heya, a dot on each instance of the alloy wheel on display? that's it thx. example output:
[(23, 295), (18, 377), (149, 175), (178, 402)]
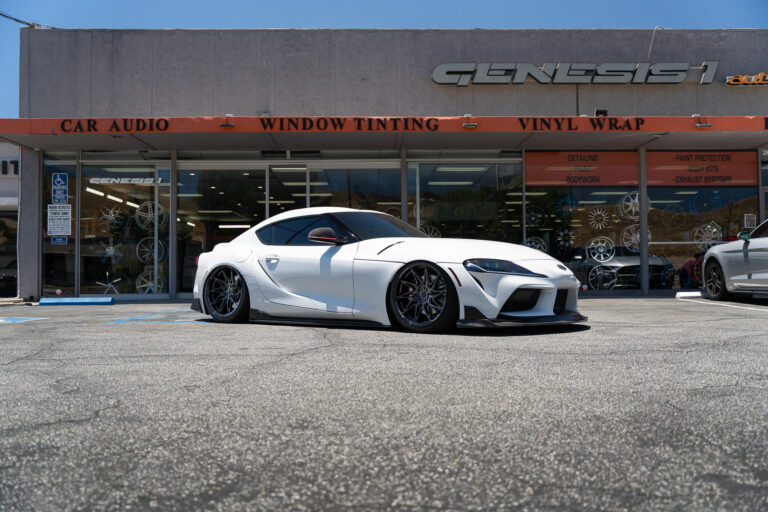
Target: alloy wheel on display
[(602, 277), (601, 249)]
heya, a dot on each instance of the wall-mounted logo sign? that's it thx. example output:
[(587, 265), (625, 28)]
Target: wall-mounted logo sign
[(759, 79), (462, 74)]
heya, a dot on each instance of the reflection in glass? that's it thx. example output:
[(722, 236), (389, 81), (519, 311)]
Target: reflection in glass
[(468, 200), (367, 189), (214, 206), (686, 221)]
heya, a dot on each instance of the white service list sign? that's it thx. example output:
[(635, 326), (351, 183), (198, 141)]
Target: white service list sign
[(59, 220)]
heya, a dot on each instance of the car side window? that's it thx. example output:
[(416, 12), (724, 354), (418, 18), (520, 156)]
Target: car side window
[(296, 231), (760, 231)]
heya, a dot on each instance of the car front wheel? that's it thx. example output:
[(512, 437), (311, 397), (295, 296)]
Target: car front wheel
[(226, 295), (422, 298), (714, 282)]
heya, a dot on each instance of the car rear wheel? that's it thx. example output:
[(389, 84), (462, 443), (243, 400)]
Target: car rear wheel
[(226, 295), (422, 298), (714, 282)]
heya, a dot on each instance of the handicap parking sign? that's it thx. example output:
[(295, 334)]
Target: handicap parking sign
[(59, 188)]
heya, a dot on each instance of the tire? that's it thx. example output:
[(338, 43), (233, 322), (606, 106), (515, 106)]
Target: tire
[(225, 295), (421, 298), (714, 282)]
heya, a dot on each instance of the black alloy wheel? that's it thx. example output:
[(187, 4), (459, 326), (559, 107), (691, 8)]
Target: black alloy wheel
[(226, 295), (422, 298), (714, 282)]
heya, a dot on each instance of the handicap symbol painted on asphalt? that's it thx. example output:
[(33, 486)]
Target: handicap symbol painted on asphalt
[(17, 319)]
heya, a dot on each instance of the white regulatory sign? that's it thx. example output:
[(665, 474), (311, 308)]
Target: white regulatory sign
[(59, 220)]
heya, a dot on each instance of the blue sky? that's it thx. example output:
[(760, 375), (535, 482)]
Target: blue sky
[(491, 14)]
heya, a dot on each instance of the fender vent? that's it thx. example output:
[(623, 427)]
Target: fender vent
[(522, 300), (560, 299)]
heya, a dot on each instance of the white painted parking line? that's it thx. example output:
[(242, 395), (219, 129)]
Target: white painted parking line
[(682, 295), (712, 303)]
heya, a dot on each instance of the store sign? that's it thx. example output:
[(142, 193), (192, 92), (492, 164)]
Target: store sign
[(759, 79), (133, 125), (124, 181), (701, 169), (59, 185), (462, 74), (59, 220), (580, 168)]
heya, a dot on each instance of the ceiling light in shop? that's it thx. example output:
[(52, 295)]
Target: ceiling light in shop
[(94, 191), (608, 193), (213, 187), (246, 174), (449, 183), (234, 226), (279, 201), (288, 169), (527, 193), (135, 170), (214, 211), (314, 194), (441, 168), (190, 224), (391, 203), (686, 192), (304, 183), (133, 205), (189, 195), (113, 198), (592, 202)]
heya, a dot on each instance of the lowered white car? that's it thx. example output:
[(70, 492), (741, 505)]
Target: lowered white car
[(740, 266), (338, 265)]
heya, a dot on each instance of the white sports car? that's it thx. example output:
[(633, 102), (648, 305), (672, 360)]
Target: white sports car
[(740, 266), (338, 265)]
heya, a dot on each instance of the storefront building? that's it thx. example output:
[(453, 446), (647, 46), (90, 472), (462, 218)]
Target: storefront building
[(623, 153)]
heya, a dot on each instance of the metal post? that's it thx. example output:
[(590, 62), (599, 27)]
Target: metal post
[(523, 221), (173, 227), (644, 204), (266, 193), (78, 200), (157, 232), (403, 185)]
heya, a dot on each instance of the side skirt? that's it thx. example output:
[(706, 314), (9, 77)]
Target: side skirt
[(254, 315)]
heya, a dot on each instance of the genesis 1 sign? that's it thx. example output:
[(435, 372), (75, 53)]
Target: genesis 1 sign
[(462, 74)]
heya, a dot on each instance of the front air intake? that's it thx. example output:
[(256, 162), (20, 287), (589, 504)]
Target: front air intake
[(522, 300), (560, 299)]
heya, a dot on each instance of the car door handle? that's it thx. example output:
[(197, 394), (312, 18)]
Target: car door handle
[(272, 258)]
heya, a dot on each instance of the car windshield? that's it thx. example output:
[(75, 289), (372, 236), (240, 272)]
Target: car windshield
[(368, 225)]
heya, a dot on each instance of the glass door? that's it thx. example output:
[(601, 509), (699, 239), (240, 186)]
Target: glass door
[(124, 226)]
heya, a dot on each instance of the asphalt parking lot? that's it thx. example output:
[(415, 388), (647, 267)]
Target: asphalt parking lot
[(654, 404)]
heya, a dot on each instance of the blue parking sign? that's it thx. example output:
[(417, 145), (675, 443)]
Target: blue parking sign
[(59, 187)]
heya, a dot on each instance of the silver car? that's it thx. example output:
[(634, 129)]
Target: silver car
[(740, 266)]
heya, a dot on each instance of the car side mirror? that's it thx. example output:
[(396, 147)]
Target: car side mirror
[(743, 235), (324, 235)]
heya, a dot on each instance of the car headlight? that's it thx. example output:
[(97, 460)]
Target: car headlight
[(485, 265)]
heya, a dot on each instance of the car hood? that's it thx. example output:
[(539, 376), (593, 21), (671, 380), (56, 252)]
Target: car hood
[(444, 250)]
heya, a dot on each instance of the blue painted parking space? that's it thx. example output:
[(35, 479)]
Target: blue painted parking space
[(173, 316), (17, 319)]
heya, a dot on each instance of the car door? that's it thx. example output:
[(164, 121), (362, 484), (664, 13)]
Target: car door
[(755, 253), (305, 274)]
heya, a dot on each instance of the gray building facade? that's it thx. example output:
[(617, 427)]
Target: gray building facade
[(624, 153)]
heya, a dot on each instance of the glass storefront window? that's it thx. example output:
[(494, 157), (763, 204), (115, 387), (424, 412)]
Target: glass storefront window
[(214, 206), (367, 189), (58, 276), (583, 209), (8, 264), (468, 200), (697, 199), (124, 230), (287, 188)]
